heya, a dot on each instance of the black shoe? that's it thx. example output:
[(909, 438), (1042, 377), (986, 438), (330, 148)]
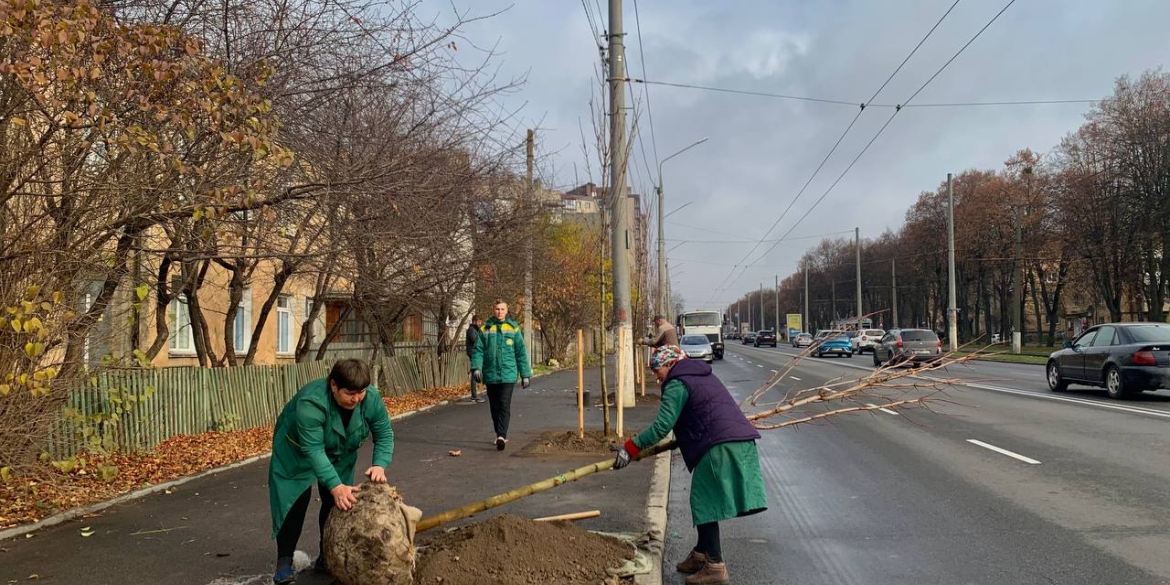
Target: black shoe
[(501, 443), (319, 564)]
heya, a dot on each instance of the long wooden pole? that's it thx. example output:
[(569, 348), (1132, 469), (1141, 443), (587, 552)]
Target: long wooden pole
[(570, 476), (541, 486), (580, 384)]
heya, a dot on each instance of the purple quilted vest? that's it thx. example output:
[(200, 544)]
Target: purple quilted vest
[(710, 416)]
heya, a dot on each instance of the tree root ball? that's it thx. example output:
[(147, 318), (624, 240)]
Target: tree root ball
[(372, 543)]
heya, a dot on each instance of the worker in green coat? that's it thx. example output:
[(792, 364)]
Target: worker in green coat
[(718, 445), (316, 440), (498, 359)]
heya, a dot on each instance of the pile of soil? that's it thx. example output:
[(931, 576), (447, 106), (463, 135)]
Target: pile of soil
[(561, 442), (509, 550)]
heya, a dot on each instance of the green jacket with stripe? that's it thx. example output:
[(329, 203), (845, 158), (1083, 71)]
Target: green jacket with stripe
[(499, 353)]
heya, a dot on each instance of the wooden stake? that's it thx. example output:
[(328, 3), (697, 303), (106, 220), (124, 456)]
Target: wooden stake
[(642, 372), (621, 387), (580, 385), (573, 516)]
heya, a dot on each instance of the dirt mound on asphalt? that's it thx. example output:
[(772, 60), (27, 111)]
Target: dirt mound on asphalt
[(561, 442), (509, 550)]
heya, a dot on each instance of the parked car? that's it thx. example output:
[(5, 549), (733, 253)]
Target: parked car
[(697, 347), (802, 340), (765, 337), (913, 346), (835, 346), (866, 339), (1124, 358), (749, 337)]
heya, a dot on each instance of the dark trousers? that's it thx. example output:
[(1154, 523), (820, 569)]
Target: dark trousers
[(472, 378), (709, 542), (500, 401), (290, 531)]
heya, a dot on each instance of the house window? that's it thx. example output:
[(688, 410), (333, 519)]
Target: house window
[(243, 325), (284, 324), (182, 339)]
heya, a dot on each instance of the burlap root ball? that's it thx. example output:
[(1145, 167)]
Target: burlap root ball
[(373, 542)]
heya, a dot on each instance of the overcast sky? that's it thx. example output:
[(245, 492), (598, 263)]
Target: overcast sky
[(761, 151)]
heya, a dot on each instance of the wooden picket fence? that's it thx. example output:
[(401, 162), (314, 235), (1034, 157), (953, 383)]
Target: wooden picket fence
[(154, 405)]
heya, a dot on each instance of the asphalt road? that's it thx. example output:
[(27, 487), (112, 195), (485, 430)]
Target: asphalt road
[(1000, 481)]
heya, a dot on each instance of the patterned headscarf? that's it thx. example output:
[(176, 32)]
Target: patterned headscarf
[(666, 355)]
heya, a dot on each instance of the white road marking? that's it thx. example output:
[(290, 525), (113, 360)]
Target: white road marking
[(759, 365), (774, 371), (794, 378), (1027, 460), (885, 410)]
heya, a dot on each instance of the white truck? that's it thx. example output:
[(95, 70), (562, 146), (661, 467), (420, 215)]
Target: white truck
[(708, 323)]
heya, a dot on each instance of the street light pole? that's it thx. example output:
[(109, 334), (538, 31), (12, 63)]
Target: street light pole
[(663, 299), (952, 305)]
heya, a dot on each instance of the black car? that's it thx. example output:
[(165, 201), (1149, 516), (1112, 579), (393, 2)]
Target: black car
[(765, 337), (749, 337), (1124, 358)]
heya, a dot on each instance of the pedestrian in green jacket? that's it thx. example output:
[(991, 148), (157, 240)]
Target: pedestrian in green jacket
[(497, 360), (316, 440)]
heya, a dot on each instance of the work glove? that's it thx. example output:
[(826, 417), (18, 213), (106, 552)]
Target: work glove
[(625, 454), (477, 375), (525, 382)]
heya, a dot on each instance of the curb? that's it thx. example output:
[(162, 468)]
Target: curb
[(146, 491), (656, 519)]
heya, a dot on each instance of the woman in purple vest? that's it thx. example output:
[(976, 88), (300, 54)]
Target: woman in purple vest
[(718, 445)]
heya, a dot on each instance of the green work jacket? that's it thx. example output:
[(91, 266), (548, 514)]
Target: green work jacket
[(312, 445), (499, 353)]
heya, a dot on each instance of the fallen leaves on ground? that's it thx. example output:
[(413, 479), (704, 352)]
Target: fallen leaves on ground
[(46, 490), (415, 400)]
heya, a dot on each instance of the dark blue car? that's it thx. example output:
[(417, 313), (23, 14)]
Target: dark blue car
[(840, 345), (1124, 358)]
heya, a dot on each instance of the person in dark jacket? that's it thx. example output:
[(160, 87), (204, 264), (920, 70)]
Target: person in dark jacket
[(498, 360), (718, 445), (316, 441), (473, 333)]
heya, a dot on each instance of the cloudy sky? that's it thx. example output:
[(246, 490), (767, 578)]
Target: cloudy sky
[(761, 151)]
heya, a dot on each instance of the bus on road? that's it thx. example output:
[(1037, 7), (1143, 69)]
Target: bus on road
[(708, 323)]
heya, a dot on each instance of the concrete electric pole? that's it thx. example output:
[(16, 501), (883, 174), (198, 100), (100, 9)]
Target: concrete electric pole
[(857, 241), (620, 234), (952, 304), (663, 299), (894, 293)]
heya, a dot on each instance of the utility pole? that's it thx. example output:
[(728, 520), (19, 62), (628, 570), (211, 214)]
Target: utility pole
[(807, 324), (952, 303), (617, 190), (529, 315), (763, 319), (662, 299), (894, 292), (751, 321), (776, 290), (833, 309), (1018, 289), (857, 241)]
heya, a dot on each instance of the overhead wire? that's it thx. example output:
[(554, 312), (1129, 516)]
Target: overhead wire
[(855, 104), (861, 109), (891, 119)]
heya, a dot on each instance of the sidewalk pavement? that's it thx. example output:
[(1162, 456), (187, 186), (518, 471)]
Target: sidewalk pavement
[(216, 529)]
